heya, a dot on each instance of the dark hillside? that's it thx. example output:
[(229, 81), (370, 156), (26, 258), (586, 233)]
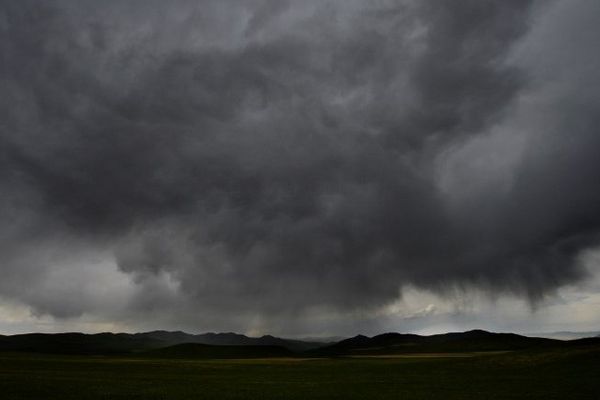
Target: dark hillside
[(116, 343), (229, 339), (471, 341), (204, 351), (77, 343)]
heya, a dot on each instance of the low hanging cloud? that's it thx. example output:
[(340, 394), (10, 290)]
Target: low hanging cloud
[(270, 158)]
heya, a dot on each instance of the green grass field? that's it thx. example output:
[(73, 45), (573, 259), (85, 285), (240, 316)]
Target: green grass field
[(519, 375)]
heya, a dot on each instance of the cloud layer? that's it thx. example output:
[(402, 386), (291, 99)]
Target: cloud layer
[(272, 159)]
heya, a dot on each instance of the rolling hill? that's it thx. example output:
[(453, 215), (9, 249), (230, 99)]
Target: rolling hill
[(470, 341), (115, 343), (232, 345), (78, 343), (205, 351), (229, 339)]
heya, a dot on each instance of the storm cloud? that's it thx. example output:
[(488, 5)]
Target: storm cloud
[(274, 158)]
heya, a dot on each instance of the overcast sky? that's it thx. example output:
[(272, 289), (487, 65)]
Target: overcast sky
[(325, 167)]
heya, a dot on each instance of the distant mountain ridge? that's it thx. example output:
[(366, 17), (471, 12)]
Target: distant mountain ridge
[(229, 339), (101, 343), (470, 341), (231, 345)]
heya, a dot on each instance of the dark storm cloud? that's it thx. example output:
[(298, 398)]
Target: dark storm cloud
[(275, 157)]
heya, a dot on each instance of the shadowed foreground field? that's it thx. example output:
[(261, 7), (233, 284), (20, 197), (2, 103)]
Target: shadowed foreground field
[(558, 374)]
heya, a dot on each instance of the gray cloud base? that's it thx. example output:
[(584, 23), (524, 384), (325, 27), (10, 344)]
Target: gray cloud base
[(273, 158)]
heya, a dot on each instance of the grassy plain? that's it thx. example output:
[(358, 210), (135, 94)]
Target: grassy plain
[(558, 374)]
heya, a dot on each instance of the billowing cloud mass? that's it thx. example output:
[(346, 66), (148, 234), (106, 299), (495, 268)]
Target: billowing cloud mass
[(227, 164)]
